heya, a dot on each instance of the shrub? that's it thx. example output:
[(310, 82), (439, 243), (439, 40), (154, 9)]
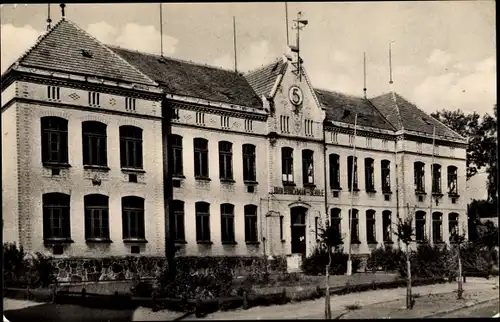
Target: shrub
[(42, 271), (316, 263), (385, 258), (15, 271)]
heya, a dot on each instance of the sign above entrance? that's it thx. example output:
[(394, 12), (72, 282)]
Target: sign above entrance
[(295, 95), (297, 191)]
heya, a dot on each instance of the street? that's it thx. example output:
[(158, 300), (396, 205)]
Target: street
[(486, 310)]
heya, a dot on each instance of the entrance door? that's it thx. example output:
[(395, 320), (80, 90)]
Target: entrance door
[(298, 219)]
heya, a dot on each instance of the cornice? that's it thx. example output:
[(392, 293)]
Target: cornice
[(205, 128), (428, 140), (362, 133), (216, 110)]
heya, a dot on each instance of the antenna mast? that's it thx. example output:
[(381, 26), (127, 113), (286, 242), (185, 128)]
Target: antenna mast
[(390, 63), (48, 17), (234, 40), (286, 22), (364, 75), (161, 29)]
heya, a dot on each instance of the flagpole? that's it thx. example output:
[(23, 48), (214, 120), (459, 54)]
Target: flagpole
[(432, 183), (354, 164), (286, 22), (161, 29)]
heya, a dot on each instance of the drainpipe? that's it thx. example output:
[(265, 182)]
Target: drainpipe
[(328, 311), (397, 191), (262, 233)]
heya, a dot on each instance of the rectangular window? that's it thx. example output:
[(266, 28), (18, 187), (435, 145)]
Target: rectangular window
[(251, 235), (202, 222), (94, 99), (287, 165), (200, 158), (336, 225), (420, 226), (316, 219), (130, 104), (282, 237), (370, 227), (350, 172), (131, 147), (386, 175), (334, 171), (354, 226), (249, 163), (56, 216), (309, 127), (54, 93), (54, 140), (453, 226), (96, 217), (284, 124), (133, 218), (249, 125), (369, 175), (436, 178), (178, 228), (200, 118), (437, 227), (226, 160), (94, 143), (308, 167), (224, 122), (387, 225), (227, 223), (335, 138), (452, 180), (177, 162), (419, 174)]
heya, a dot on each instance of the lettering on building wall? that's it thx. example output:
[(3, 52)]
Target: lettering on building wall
[(297, 191)]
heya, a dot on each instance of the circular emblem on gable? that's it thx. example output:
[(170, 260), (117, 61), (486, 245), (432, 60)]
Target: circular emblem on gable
[(295, 95)]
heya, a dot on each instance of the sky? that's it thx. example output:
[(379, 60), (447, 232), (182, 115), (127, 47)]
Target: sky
[(443, 52)]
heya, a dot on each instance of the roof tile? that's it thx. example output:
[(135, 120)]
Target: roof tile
[(263, 79)]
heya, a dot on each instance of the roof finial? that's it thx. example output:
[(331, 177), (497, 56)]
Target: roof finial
[(234, 44), (299, 24), (364, 75), (62, 5), (48, 17), (390, 64), (161, 30)]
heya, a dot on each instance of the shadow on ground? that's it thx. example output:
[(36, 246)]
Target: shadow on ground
[(67, 313)]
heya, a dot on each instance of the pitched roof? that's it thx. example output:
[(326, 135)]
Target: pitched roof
[(193, 80), (67, 48), (263, 79), (343, 108), (405, 115)]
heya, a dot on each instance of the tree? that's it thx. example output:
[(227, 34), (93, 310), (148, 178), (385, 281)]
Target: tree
[(488, 238), (404, 231), (481, 134)]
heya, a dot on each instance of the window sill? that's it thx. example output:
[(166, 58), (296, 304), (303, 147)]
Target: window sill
[(180, 242), (56, 165), (309, 185), (354, 190), (453, 195), (372, 242), (390, 242), (283, 241), (437, 194), (178, 176), (204, 242), (133, 170), (387, 192), (440, 242), (229, 243), (58, 241), (288, 184), (371, 191), (336, 189), (252, 243), (203, 178), (420, 193), (227, 181), (250, 182), (356, 242), (135, 240), (99, 240), (96, 167)]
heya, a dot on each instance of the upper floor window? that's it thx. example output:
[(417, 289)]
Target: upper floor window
[(387, 225), (131, 147), (130, 104), (452, 180), (202, 222), (334, 171), (226, 160), (54, 93), (224, 121), (227, 223), (386, 175), (94, 143), (249, 125), (287, 165), (178, 228), (251, 223), (200, 158), (419, 174), (284, 124), (249, 162), (309, 127), (436, 178), (453, 225), (56, 216), (420, 226), (54, 139), (133, 218), (369, 142), (307, 167), (200, 118), (94, 99), (369, 175), (371, 231), (336, 224), (177, 163), (437, 227), (352, 168), (354, 225), (96, 216)]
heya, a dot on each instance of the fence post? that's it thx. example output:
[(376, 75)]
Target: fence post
[(245, 300), (197, 310)]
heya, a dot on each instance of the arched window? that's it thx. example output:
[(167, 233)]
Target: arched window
[(334, 171), (287, 164), (387, 225), (419, 174), (335, 223), (420, 226), (54, 139), (133, 218), (202, 222), (227, 223), (178, 228), (354, 214), (251, 235), (56, 216), (200, 158), (226, 160), (437, 227), (369, 175), (436, 178), (452, 180), (131, 147), (386, 175), (94, 143), (453, 225), (249, 162), (307, 167), (371, 232), (96, 217)]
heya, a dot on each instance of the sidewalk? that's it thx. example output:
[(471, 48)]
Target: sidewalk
[(315, 309)]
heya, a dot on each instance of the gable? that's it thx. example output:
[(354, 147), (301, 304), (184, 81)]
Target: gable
[(263, 79), (67, 48)]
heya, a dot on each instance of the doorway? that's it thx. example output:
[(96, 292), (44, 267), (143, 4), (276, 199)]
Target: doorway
[(298, 226)]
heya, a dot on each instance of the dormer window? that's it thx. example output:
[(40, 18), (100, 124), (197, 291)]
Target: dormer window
[(86, 53)]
